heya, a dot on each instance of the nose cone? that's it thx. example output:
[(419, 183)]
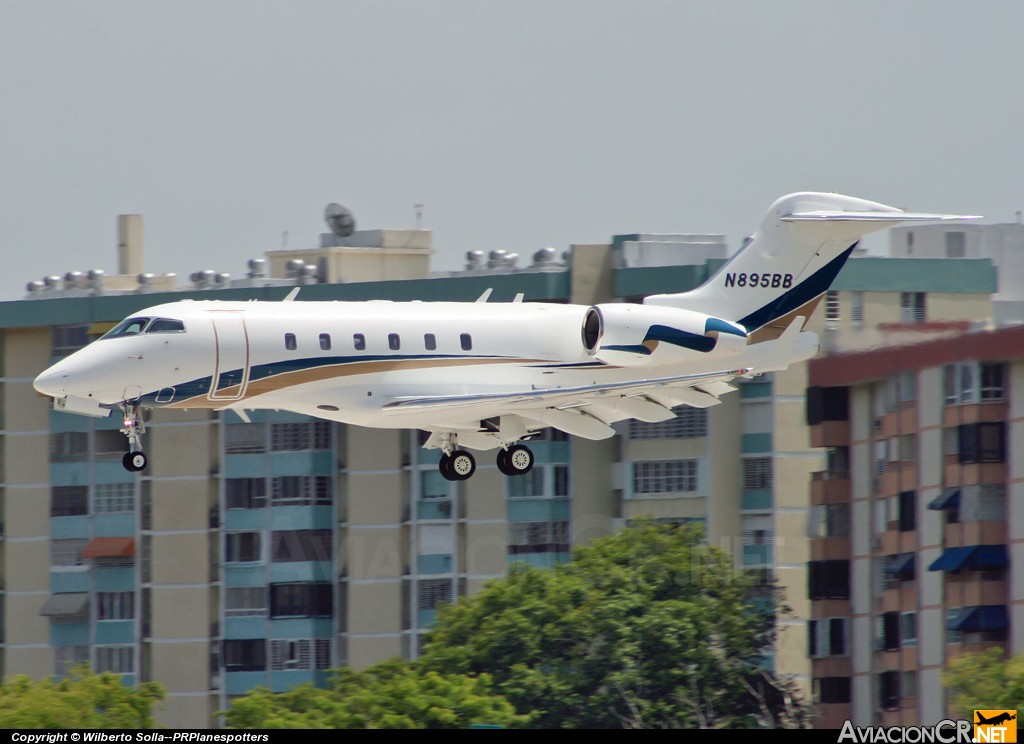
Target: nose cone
[(52, 382)]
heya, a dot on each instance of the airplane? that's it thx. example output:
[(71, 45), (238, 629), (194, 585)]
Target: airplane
[(995, 720), (484, 375)]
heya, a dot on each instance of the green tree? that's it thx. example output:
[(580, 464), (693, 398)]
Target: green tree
[(393, 694), (985, 681), (80, 700), (650, 627)]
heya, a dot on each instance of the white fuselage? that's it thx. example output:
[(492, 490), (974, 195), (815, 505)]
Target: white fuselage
[(345, 360)]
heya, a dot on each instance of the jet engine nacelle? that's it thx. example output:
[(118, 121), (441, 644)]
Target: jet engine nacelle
[(634, 335)]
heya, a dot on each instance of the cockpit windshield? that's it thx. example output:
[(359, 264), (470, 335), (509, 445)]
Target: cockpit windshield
[(135, 326)]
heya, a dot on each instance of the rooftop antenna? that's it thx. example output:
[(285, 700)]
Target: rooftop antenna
[(419, 214), (340, 219), (284, 240)]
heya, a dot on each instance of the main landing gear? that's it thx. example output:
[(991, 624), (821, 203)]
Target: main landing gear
[(133, 428), (458, 464)]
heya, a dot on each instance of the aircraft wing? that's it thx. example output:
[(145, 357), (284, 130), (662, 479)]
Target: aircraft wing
[(586, 410)]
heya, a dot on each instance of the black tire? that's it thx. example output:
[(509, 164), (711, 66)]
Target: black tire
[(445, 466), (134, 461), (503, 465)]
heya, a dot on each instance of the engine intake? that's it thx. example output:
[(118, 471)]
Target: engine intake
[(634, 335)]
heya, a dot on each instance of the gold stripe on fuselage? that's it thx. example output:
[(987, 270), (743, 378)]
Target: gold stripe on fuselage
[(282, 381)]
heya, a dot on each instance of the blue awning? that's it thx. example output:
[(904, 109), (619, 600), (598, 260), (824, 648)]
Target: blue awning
[(901, 566), (976, 619), (948, 499), (972, 557), (952, 559)]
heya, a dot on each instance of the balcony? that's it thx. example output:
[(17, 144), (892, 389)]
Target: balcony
[(830, 487), (831, 434)]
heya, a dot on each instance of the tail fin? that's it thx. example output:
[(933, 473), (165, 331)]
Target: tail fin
[(785, 268)]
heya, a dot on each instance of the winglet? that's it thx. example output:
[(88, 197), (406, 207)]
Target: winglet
[(292, 295), (793, 345)]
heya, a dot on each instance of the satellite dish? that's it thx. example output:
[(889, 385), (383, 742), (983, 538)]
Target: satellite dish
[(340, 219)]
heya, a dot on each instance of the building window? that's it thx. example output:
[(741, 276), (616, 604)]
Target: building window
[(538, 537), (956, 244), (432, 593), (829, 520), (857, 309), (116, 659), (908, 629), (889, 690), (115, 605), (359, 341), (890, 631), (541, 482), (757, 473), (325, 341), (909, 685), (827, 637), (67, 552), (952, 615), (832, 689), (69, 446), (429, 342), (245, 655), (68, 339), (109, 498), (306, 435), (665, 476), (466, 341), (300, 490), (289, 341), (302, 653), (245, 493), (832, 309), (245, 601), (992, 382), (828, 579), (394, 342), (291, 546), (67, 658), (245, 438), (912, 307), (301, 600), (242, 547), (69, 501), (982, 442), (688, 422), (908, 511)]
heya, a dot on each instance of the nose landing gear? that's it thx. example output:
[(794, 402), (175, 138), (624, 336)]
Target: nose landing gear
[(133, 428)]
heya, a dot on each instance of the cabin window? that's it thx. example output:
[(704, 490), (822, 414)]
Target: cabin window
[(127, 327), (166, 325), (289, 341), (429, 341), (359, 341), (325, 341), (467, 341), (394, 342)]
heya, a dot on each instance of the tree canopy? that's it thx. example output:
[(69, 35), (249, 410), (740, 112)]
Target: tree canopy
[(985, 681), (650, 627), (394, 695), (81, 700)]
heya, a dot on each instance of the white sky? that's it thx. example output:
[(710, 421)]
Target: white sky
[(518, 124)]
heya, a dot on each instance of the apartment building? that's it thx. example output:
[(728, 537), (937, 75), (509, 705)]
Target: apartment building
[(267, 552), (917, 520)]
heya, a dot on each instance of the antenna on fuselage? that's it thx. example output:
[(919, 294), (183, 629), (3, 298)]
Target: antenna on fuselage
[(292, 295), (485, 295)]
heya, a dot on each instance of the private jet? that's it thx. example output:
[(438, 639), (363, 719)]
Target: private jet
[(484, 375)]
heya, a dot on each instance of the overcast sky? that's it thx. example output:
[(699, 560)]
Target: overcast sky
[(518, 124)]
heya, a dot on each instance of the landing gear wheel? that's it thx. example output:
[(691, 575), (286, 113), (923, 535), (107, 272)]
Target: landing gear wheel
[(516, 460), (445, 466), (134, 461), (461, 464)]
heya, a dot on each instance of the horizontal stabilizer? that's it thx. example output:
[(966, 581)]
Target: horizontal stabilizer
[(841, 216)]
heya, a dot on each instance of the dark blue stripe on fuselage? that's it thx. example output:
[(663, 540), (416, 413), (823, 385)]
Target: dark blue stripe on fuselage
[(683, 339), (815, 285)]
